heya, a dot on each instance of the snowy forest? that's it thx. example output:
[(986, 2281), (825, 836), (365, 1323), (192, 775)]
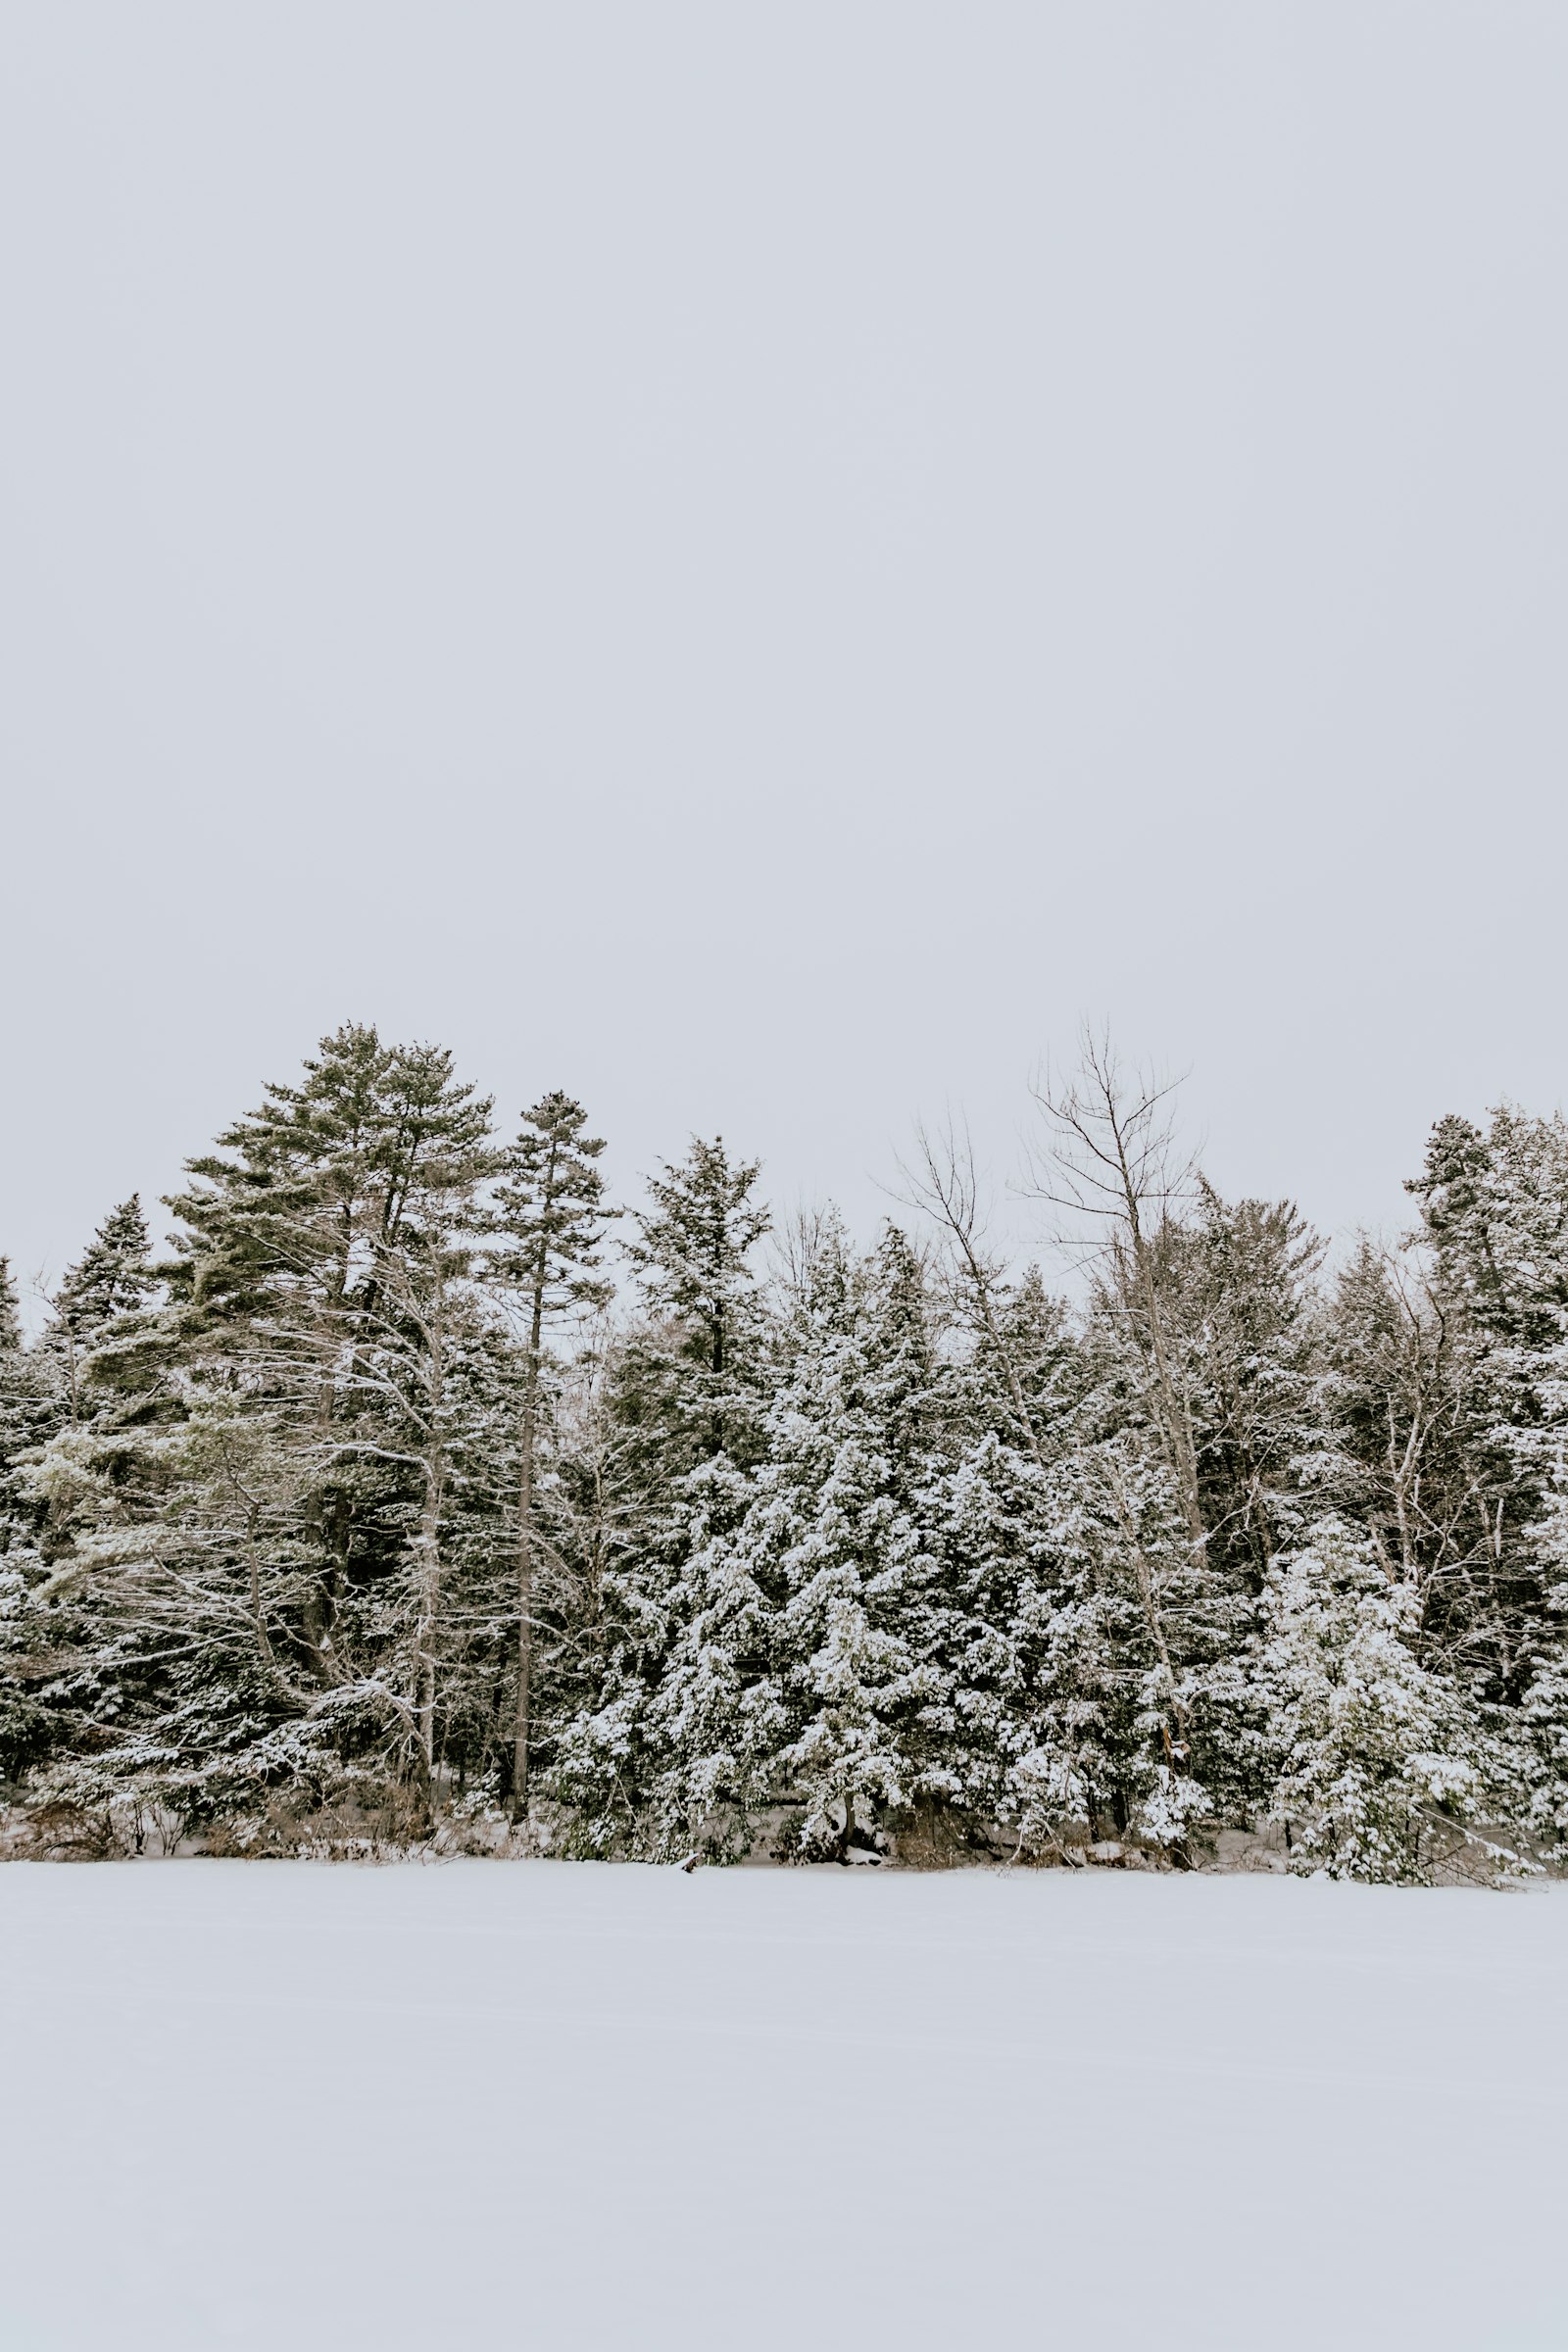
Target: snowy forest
[(413, 1495)]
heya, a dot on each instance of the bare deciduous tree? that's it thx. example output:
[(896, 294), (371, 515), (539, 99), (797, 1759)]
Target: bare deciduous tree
[(945, 1184), (1108, 1162)]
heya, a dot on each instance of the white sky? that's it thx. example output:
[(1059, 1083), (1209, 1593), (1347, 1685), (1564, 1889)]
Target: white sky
[(758, 563)]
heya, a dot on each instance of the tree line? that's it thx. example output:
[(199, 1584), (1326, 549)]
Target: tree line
[(413, 1492)]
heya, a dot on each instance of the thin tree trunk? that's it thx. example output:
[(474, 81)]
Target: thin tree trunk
[(1153, 1615), (1399, 1472), (429, 1605), (531, 1421), (430, 1563), (1176, 1414)]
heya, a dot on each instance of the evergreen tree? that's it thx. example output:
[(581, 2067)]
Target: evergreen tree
[(793, 1676), (1494, 1212), (1382, 1768), (318, 1532), (10, 1312), (682, 1390), (1494, 1215), (692, 1250), (265, 1540), (28, 1407), (31, 1405), (113, 1277), (550, 1205), (1245, 1324), (855, 1447)]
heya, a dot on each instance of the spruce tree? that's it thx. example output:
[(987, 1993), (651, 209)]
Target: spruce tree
[(24, 1410), (807, 1613), (31, 1405), (321, 1531), (113, 1277), (1382, 1767), (692, 1249), (10, 1312), (111, 1282), (683, 1392), (1495, 1217)]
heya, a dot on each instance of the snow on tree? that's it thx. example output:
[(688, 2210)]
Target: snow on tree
[(32, 1404), (693, 1249), (794, 1677), (367, 1506), (262, 1525), (550, 1207), (1382, 1767), (684, 1388), (1495, 1213)]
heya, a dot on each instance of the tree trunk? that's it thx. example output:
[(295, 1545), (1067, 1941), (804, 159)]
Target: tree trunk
[(1176, 1413), (429, 1541), (530, 1418), (429, 1605)]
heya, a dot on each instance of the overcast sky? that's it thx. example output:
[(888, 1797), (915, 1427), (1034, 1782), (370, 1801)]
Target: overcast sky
[(758, 563)]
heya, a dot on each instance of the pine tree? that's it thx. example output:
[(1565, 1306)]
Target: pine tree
[(550, 1205), (10, 1312), (1492, 1311), (319, 1532), (268, 1548), (1245, 1325), (1494, 1215), (31, 1405)]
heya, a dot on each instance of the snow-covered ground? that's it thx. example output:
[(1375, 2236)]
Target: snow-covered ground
[(555, 2105)]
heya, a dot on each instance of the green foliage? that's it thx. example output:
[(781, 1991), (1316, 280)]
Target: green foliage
[(1381, 1765), (367, 1506)]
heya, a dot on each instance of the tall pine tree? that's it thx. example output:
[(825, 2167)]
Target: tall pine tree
[(550, 1207)]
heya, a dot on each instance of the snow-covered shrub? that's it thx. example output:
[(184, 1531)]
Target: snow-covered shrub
[(1165, 1814)]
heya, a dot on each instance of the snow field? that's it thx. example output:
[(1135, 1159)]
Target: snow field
[(558, 2105)]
